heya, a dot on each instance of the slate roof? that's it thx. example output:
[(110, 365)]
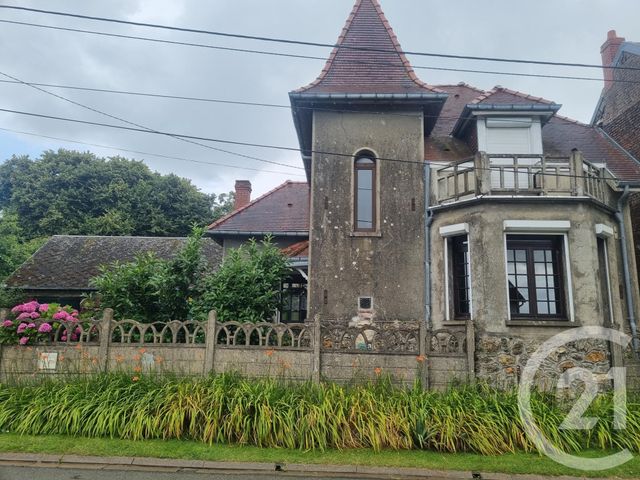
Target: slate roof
[(368, 58), (285, 209), (68, 262)]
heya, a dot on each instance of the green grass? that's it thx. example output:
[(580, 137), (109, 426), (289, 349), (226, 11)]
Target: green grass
[(183, 449)]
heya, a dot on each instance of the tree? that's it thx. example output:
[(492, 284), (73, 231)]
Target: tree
[(222, 204), (246, 288), (69, 192), (13, 249)]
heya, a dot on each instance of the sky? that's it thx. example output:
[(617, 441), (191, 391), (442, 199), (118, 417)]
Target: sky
[(556, 30)]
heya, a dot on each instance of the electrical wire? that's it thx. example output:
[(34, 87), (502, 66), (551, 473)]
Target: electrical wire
[(443, 163), (159, 155), (308, 43)]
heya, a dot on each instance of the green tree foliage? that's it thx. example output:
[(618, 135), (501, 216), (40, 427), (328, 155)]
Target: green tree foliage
[(247, 285), (222, 204), (151, 289), (13, 249), (69, 192)]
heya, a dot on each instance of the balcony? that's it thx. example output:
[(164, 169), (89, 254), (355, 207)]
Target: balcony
[(522, 175)]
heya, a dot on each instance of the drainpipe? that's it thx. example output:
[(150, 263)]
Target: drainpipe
[(427, 245), (631, 317)]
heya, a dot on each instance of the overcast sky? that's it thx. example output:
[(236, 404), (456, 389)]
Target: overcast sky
[(558, 30)]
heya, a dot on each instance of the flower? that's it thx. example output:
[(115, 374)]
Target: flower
[(377, 370), (21, 328), (135, 379), (7, 324), (137, 358), (119, 358), (24, 340), (137, 369), (31, 325), (44, 307), (268, 353), (420, 358), (44, 328), (23, 316), (63, 338)]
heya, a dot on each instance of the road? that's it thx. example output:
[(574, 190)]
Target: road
[(59, 473)]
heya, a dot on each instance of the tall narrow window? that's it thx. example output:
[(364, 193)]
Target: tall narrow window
[(365, 193), (461, 276), (535, 276), (605, 282)]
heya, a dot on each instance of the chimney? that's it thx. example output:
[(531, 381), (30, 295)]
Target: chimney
[(609, 51), (243, 194)]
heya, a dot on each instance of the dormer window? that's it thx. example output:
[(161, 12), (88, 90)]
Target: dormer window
[(364, 204)]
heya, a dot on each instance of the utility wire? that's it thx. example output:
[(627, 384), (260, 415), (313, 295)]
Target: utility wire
[(237, 102), (443, 163), (307, 43), (309, 57), (170, 157), (120, 119)]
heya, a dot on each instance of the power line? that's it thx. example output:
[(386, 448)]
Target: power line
[(115, 117), (309, 57), (443, 163), (170, 157), (308, 43)]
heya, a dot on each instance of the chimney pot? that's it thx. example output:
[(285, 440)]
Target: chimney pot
[(609, 50), (243, 194)]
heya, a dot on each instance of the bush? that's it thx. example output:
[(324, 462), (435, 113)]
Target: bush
[(268, 413), (246, 288), (33, 322), (151, 289)]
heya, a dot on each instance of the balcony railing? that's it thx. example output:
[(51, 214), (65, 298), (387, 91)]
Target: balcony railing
[(537, 175)]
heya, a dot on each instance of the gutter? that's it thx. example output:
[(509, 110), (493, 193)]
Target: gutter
[(427, 245), (241, 233), (631, 317)]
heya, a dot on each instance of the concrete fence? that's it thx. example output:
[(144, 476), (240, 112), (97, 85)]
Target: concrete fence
[(321, 349)]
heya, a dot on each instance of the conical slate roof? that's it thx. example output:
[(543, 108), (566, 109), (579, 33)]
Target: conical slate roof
[(367, 58)]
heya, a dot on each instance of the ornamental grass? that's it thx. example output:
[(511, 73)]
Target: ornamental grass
[(271, 413)]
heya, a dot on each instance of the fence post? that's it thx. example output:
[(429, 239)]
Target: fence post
[(578, 172), (483, 173), (315, 360), (424, 367), (210, 340), (471, 351), (105, 339), (4, 314)]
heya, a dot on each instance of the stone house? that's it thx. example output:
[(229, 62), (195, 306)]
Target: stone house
[(451, 206)]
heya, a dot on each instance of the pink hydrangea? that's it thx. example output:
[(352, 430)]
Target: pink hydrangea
[(44, 307), (63, 338), (21, 328), (35, 315), (61, 315), (30, 307), (31, 325), (24, 316), (7, 323), (24, 340), (44, 328), (74, 337)]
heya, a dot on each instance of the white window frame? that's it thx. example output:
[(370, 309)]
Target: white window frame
[(446, 232), (605, 232), (532, 123), (542, 227)]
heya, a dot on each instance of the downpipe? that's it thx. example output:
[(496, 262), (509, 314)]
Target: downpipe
[(631, 316), (427, 245)]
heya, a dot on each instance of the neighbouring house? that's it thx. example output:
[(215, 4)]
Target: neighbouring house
[(617, 113), (61, 270), (283, 214), (451, 206)]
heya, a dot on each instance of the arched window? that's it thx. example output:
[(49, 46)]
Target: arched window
[(365, 192)]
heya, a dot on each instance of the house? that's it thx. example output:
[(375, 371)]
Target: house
[(451, 206), (62, 269), (617, 113)]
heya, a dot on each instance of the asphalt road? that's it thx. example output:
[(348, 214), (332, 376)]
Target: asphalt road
[(45, 473)]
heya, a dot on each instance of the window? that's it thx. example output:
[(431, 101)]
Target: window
[(365, 193), (294, 300), (365, 303), (460, 271), (535, 276)]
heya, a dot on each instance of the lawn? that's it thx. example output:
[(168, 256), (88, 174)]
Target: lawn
[(184, 449)]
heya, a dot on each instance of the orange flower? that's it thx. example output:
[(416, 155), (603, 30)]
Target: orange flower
[(94, 361), (137, 358), (78, 347), (119, 358), (61, 358), (269, 353), (420, 358), (158, 359), (135, 379), (142, 350), (137, 369), (377, 370)]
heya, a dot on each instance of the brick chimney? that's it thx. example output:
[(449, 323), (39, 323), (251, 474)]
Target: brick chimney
[(243, 194), (608, 51)]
